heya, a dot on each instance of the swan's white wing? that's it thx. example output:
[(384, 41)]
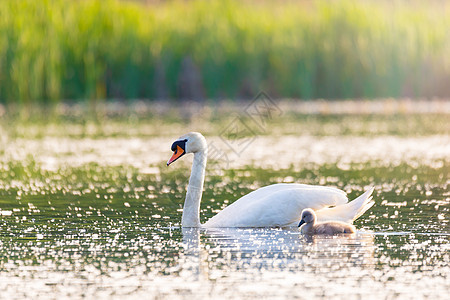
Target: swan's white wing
[(276, 205), (270, 189), (347, 212)]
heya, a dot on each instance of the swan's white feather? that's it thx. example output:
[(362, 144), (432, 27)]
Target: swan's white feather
[(347, 212), (276, 205)]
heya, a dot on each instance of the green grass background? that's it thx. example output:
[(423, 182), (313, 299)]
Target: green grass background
[(56, 50)]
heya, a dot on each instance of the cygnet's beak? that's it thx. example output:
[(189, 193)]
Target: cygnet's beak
[(301, 223), (176, 155)]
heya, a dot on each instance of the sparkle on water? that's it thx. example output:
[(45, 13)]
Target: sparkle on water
[(88, 215)]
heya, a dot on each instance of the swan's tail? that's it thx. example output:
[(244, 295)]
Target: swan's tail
[(349, 211)]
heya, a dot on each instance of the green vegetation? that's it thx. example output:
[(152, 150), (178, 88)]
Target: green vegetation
[(96, 49)]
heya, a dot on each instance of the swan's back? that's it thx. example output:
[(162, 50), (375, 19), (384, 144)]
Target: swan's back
[(276, 205)]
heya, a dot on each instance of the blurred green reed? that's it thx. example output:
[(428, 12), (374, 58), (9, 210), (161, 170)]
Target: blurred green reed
[(56, 50)]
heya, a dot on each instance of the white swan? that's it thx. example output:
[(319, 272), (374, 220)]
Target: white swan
[(277, 205)]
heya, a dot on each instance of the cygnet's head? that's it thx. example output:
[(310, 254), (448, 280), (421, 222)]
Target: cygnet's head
[(308, 216), (191, 142)]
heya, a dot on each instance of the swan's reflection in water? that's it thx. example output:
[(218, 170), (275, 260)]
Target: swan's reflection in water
[(213, 253)]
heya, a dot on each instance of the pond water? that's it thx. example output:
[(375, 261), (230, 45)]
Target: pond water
[(91, 210)]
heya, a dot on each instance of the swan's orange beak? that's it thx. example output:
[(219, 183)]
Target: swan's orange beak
[(176, 155)]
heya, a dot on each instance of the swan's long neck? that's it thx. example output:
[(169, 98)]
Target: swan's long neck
[(191, 209)]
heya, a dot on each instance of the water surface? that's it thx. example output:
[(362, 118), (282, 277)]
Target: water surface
[(96, 213)]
